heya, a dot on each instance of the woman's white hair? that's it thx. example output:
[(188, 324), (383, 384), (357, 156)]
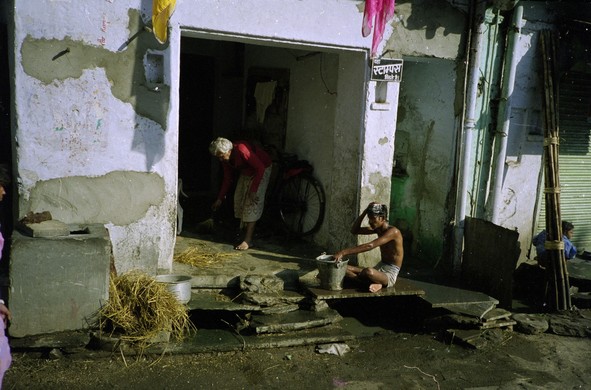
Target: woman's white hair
[(220, 145)]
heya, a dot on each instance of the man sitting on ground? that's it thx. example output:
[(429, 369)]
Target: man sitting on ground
[(389, 240)]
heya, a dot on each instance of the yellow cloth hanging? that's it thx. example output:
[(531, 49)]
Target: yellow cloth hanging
[(161, 12)]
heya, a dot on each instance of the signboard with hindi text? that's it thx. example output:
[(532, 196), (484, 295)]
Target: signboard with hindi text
[(386, 69)]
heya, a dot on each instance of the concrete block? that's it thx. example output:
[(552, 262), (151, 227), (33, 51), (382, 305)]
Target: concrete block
[(58, 283), (51, 228)]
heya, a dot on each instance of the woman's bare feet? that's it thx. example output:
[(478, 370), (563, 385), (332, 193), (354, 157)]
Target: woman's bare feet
[(242, 246), (375, 287)]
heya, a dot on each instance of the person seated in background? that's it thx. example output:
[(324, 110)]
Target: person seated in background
[(389, 240), (570, 251)]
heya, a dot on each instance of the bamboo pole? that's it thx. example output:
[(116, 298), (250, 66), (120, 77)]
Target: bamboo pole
[(559, 298)]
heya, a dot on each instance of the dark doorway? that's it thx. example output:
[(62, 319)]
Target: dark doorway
[(196, 97)]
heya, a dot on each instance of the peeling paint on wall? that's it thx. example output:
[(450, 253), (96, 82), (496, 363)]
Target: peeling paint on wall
[(424, 156), (54, 60), (119, 197), (427, 28)]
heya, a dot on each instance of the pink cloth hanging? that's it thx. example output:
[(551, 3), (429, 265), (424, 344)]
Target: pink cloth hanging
[(380, 12)]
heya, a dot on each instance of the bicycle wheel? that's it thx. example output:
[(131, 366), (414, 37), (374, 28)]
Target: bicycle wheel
[(301, 204)]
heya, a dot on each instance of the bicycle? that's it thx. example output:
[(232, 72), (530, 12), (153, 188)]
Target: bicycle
[(294, 194)]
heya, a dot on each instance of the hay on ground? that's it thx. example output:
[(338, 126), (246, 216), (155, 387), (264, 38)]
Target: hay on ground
[(202, 256), (139, 309)]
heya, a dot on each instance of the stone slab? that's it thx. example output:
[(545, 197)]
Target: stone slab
[(217, 301), (402, 287), (297, 320), (272, 299), (478, 310), (65, 340), (58, 283), (448, 297), (497, 314), (216, 340), (579, 269), (50, 228), (498, 324)]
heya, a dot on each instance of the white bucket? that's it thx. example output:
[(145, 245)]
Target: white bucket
[(179, 285), (330, 272)]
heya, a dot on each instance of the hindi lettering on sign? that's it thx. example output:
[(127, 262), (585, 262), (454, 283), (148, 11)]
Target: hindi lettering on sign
[(386, 70)]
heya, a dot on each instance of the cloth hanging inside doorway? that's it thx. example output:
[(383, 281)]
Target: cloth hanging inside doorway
[(264, 93)]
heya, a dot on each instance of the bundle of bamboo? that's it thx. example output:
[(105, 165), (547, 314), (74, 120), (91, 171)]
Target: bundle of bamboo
[(559, 298)]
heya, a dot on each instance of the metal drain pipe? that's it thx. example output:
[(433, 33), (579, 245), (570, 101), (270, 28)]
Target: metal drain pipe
[(467, 135), (504, 117)]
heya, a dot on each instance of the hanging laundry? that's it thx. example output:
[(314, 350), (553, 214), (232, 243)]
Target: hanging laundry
[(161, 12), (264, 93), (378, 12)]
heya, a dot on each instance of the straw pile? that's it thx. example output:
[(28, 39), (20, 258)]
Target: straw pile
[(202, 256), (139, 309)]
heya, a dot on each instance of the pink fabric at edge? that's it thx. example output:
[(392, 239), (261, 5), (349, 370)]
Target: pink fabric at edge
[(380, 12)]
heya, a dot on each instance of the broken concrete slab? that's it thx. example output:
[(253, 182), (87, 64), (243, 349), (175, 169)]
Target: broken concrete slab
[(569, 324), (211, 300), (50, 228), (402, 287), (448, 297), (297, 320), (279, 309), (215, 340), (212, 340), (272, 299), (452, 321), (261, 283), (497, 314), (478, 310), (314, 304), (70, 339), (530, 323), (498, 324)]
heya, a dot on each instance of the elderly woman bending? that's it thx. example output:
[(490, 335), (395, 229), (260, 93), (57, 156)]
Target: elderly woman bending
[(253, 165)]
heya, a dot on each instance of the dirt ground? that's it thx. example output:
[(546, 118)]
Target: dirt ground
[(401, 356), (389, 360)]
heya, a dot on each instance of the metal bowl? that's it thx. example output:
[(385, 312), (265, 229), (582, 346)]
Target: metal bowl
[(179, 285)]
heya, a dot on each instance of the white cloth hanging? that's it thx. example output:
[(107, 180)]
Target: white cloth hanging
[(264, 93)]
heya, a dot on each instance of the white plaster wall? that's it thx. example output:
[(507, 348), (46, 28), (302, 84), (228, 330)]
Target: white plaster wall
[(431, 28), (326, 22), (76, 127), (520, 192), (377, 151)]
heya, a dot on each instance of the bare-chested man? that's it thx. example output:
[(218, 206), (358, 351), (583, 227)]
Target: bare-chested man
[(389, 241)]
